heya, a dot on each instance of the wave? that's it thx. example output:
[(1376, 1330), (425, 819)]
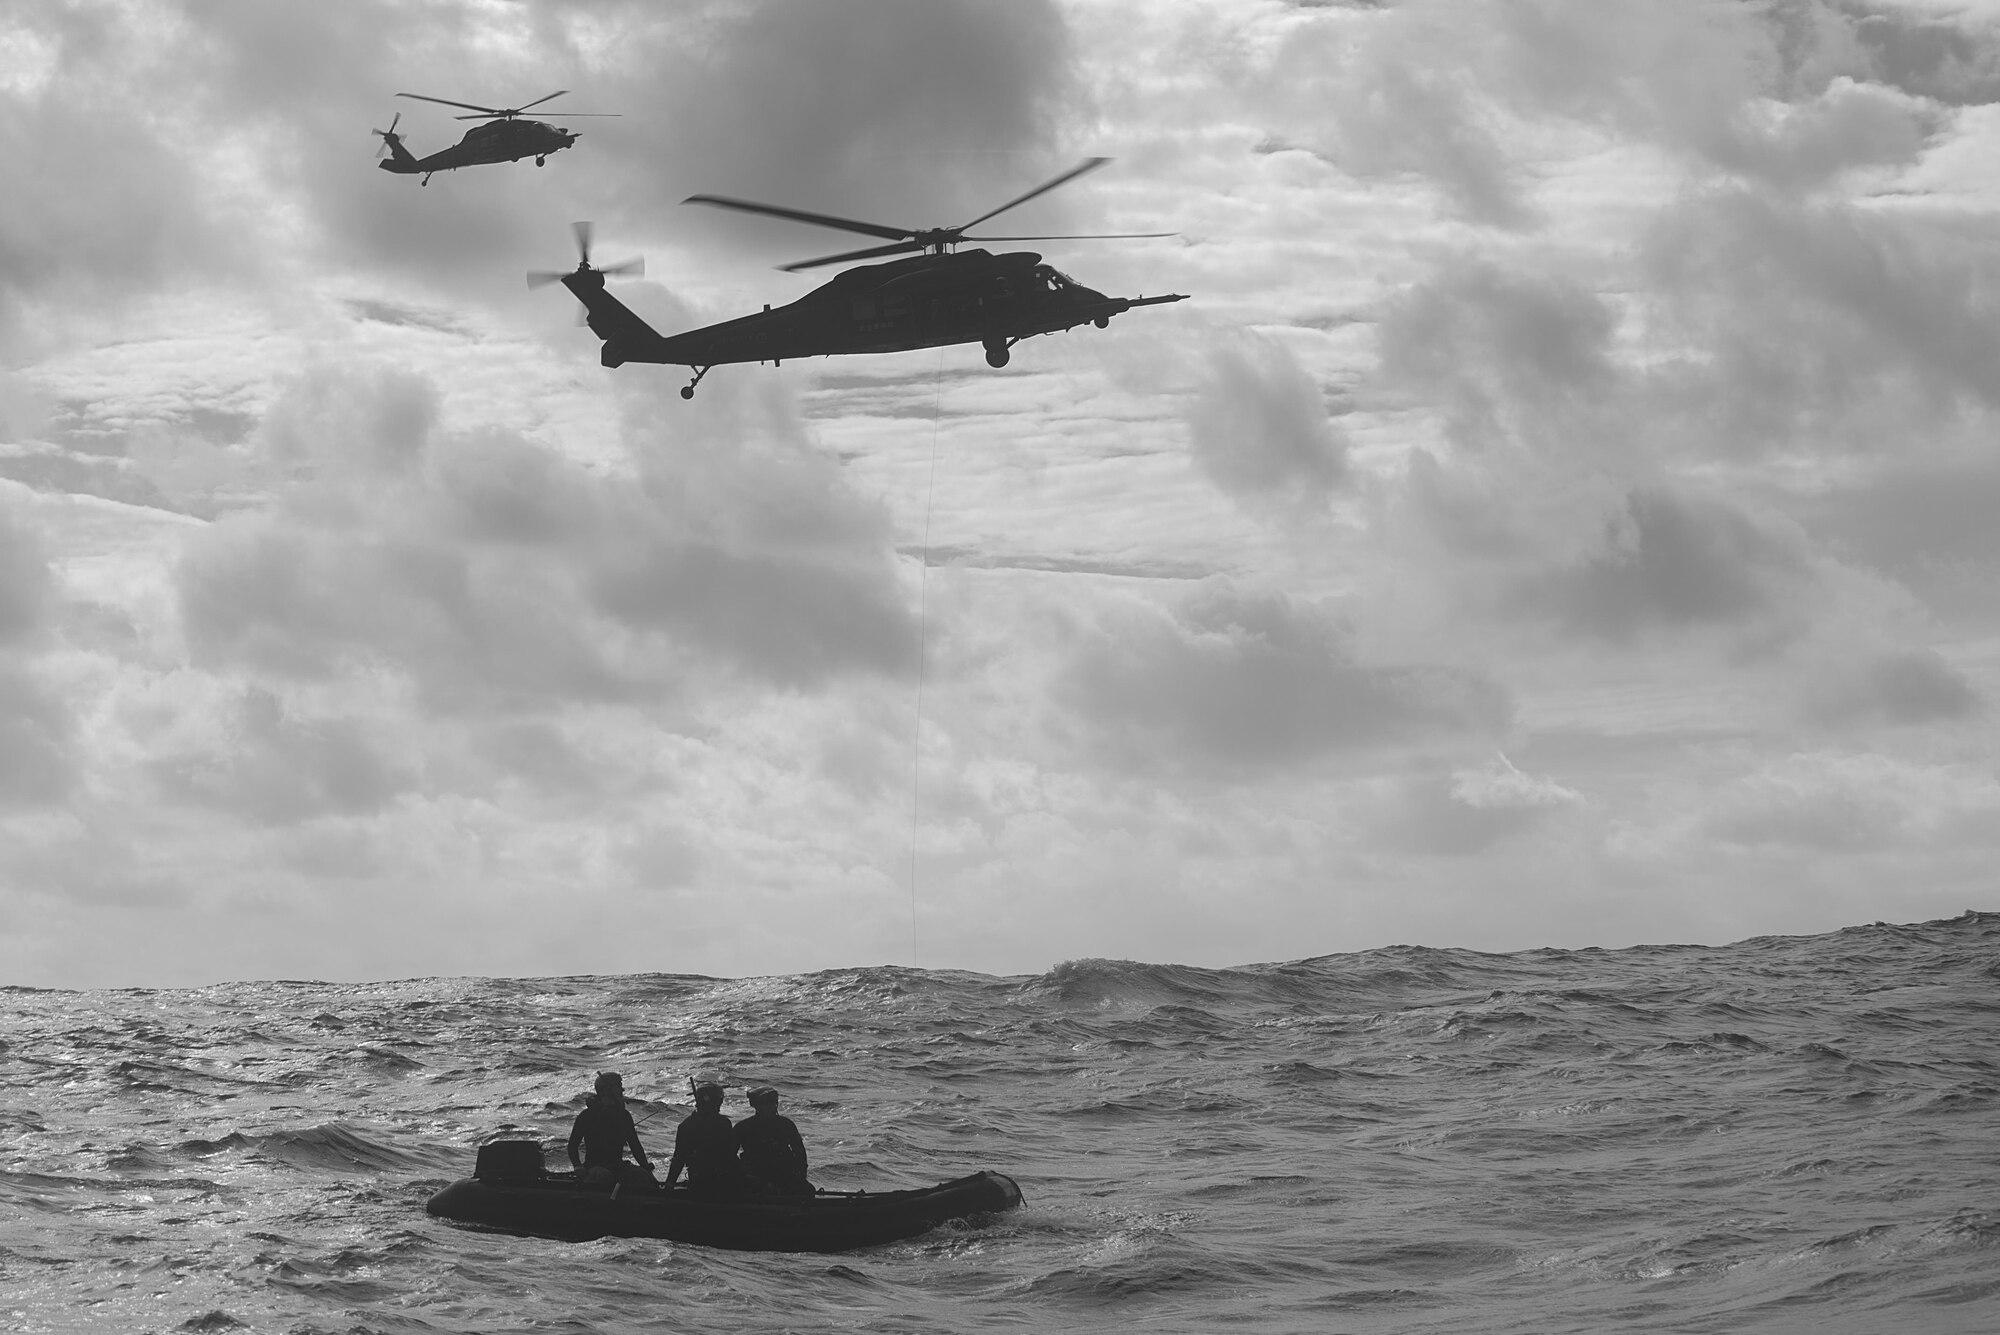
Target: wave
[(336, 1147)]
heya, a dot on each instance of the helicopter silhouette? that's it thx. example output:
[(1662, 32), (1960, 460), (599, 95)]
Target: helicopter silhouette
[(940, 297), (506, 137)]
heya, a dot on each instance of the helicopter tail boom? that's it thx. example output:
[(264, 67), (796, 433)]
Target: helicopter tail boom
[(627, 338)]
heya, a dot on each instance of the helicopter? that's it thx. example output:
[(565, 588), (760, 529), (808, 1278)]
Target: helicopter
[(941, 296), (503, 138)]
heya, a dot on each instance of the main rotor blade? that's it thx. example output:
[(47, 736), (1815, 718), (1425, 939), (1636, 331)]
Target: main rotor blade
[(491, 111), (538, 101), (1087, 165), (896, 248), (799, 215), (1074, 236)]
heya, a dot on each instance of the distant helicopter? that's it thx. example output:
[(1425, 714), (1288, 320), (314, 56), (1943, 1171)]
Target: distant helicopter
[(502, 139), (926, 301)]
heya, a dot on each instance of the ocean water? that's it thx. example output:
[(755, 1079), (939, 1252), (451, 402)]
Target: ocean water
[(1784, 1134)]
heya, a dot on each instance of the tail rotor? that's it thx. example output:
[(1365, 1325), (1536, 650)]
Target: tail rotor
[(390, 139), (635, 267)]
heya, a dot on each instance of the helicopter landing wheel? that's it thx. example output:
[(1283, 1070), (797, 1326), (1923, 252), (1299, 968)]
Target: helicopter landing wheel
[(997, 355), (687, 390), (540, 161), (1102, 322)]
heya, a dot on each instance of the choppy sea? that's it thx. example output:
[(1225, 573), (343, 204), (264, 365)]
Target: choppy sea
[(1784, 1134)]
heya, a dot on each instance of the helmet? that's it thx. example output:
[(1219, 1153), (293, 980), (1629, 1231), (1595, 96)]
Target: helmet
[(707, 1093), (763, 1096), (610, 1082)]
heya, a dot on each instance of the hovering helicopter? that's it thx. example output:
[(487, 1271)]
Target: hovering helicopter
[(502, 139), (925, 301)]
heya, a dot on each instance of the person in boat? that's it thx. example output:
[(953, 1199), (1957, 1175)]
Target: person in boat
[(600, 1135), (705, 1148), (768, 1147)]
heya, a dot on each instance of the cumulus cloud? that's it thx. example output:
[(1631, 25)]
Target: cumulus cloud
[(486, 567), (1245, 681), (1656, 361), (1260, 428), (1675, 562), (1407, 107), (1787, 95), (1832, 801), (1800, 327)]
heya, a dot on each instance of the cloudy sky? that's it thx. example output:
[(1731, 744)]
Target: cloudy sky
[(1563, 514)]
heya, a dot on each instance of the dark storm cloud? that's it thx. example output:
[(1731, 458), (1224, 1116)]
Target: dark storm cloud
[(99, 195), (279, 769), (1249, 681), (36, 729), (1672, 562), (1928, 522), (1260, 427), (1821, 324), (1458, 815), (792, 622), (1847, 127), (1402, 107), (491, 570), (36, 736), (27, 587), (1951, 57), (1911, 687), (820, 105), (1504, 352), (176, 142), (904, 111), (536, 753)]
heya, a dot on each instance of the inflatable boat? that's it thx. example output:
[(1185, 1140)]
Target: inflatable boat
[(510, 1193)]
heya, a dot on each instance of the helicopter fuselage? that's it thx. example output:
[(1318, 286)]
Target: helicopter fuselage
[(925, 301), (507, 140)]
